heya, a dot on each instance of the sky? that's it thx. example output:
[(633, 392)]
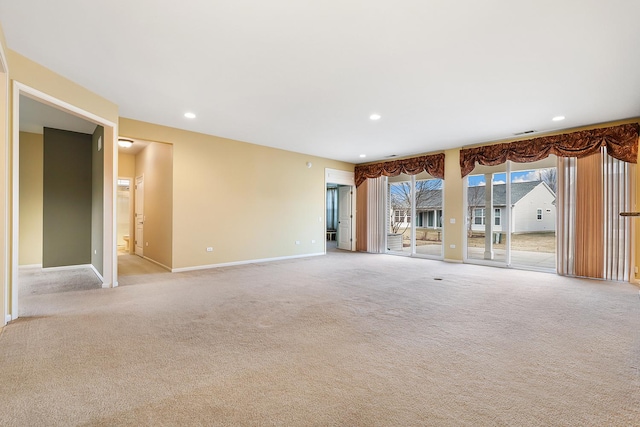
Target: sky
[(500, 178)]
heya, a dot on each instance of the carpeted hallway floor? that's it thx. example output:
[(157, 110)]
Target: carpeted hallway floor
[(343, 339)]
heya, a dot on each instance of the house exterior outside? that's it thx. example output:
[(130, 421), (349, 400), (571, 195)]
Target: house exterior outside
[(533, 206)]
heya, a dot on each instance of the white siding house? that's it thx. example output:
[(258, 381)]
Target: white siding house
[(533, 207)]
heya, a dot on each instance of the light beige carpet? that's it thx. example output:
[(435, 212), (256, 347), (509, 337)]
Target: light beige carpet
[(343, 339)]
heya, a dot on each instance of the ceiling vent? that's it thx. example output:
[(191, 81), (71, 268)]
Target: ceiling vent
[(525, 132)]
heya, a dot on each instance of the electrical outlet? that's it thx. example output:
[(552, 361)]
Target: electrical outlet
[(452, 246), (297, 242), (209, 249), (146, 244), (313, 241)]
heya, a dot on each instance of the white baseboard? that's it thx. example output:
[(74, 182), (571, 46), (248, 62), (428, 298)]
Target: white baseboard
[(157, 263), (250, 261), (455, 261), (95, 270), (30, 266), (7, 318)]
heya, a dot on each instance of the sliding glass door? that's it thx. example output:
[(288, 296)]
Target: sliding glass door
[(533, 214), (415, 212), (512, 222)]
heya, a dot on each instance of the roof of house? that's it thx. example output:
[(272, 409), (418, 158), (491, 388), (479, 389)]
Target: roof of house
[(432, 199)]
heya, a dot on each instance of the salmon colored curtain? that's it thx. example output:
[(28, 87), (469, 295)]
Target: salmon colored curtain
[(589, 252), (361, 216), (593, 239)]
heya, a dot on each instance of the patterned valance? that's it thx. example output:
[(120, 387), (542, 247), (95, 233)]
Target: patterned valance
[(621, 142), (433, 164)]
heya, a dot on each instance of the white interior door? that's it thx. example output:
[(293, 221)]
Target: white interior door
[(344, 217), (139, 214)]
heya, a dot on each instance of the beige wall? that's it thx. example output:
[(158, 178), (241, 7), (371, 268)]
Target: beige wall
[(246, 201), (31, 196), (126, 165), (155, 164), (38, 77), (453, 206)]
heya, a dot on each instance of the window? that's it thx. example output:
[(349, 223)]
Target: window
[(430, 219), (496, 216), (398, 216), (419, 219), (539, 214), (478, 215)]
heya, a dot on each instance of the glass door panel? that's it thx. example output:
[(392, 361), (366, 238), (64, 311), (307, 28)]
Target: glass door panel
[(533, 213), (399, 203), (428, 215), (487, 215)]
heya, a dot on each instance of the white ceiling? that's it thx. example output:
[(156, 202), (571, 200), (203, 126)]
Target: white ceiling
[(305, 76), (34, 116)]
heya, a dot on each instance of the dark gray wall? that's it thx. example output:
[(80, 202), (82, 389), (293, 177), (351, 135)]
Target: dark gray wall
[(67, 200), (97, 199)]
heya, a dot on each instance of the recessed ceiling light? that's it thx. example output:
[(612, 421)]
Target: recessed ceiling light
[(375, 116), (190, 115), (363, 155), (558, 118), (125, 143)]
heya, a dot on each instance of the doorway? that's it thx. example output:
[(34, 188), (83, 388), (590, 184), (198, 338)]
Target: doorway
[(103, 249), (340, 202), (339, 219), (124, 239)]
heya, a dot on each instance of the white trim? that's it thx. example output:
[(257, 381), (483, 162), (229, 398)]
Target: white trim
[(110, 263), (95, 270), (6, 242), (15, 200), (23, 89), (250, 261), (156, 263), (335, 176), (30, 266)]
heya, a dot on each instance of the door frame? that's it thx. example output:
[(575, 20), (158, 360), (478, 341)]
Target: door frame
[(110, 147), (335, 176)]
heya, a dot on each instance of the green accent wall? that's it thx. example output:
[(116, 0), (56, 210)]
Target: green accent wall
[(97, 198), (67, 201)]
